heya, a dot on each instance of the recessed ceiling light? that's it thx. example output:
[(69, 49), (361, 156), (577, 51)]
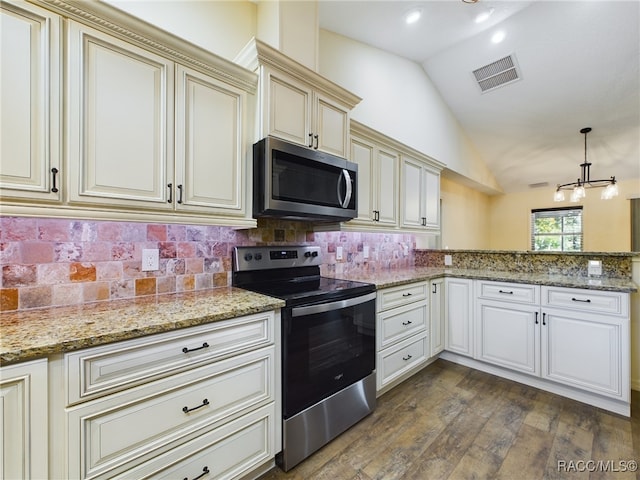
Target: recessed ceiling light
[(498, 36), (484, 16), (412, 16)]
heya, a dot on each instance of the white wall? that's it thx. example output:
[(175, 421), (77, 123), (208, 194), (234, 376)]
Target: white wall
[(400, 101), (221, 27)]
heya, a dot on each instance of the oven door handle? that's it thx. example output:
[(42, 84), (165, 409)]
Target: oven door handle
[(327, 307)]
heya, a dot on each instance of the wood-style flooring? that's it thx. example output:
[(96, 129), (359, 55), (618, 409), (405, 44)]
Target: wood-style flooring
[(453, 422)]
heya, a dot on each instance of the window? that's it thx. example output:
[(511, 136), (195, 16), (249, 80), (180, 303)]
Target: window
[(556, 229)]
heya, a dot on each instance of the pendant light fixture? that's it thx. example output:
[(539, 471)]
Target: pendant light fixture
[(578, 188)]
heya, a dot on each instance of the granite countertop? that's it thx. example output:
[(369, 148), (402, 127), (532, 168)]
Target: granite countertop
[(391, 278), (26, 335)]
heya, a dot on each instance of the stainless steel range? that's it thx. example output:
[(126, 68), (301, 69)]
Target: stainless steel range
[(328, 344)]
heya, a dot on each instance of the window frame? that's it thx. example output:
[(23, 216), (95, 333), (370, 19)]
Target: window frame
[(562, 213)]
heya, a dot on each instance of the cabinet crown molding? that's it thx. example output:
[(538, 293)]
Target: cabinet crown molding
[(115, 22), (257, 53)]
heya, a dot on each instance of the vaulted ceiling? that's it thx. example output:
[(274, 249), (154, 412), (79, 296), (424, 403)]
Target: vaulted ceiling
[(578, 66)]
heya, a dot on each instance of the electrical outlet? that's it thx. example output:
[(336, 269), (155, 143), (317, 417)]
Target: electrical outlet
[(405, 250), (448, 261), (150, 259), (594, 268), (365, 251), (338, 253)]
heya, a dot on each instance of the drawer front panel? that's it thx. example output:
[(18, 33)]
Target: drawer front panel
[(402, 295), (101, 370), (401, 323), (125, 429), (396, 360), (596, 301), (224, 453), (509, 292)]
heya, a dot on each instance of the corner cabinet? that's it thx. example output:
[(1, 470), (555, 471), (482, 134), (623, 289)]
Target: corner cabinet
[(296, 103), (24, 421), (156, 128), (30, 96)]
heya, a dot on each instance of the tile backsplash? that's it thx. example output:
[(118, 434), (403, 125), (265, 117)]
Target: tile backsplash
[(55, 262)]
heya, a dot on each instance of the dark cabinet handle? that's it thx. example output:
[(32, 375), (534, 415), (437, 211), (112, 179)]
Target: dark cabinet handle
[(170, 187), (408, 357), (406, 294), (310, 140), (54, 173), (376, 215), (588, 300), (424, 221), (316, 137), (408, 322), (180, 193), (205, 470), (187, 350), (435, 288), (544, 317), (537, 318), (187, 409), (505, 291)]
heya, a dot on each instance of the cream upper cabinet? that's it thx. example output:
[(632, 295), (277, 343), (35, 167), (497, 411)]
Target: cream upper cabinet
[(420, 204), (30, 96), (294, 111), (23, 421), (210, 144), (120, 122), (296, 103), (378, 170)]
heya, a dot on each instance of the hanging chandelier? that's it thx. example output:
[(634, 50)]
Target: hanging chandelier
[(578, 188)]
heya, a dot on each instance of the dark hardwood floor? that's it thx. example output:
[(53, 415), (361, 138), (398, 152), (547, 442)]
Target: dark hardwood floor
[(453, 422)]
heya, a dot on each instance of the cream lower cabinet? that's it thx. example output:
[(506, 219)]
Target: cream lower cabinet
[(30, 98), (507, 325), (24, 425), (585, 340), (459, 316), (402, 333), (176, 405)]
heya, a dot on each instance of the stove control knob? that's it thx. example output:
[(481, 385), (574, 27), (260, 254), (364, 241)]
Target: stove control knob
[(248, 257), (307, 254), (258, 256), (314, 254)]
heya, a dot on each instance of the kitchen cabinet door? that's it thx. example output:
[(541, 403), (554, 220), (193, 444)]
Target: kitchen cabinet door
[(508, 335), (420, 208), (387, 183), (287, 113), (210, 145), (30, 96), (363, 154), (330, 123), (120, 122), (459, 316), (23, 420), (437, 308), (586, 350)]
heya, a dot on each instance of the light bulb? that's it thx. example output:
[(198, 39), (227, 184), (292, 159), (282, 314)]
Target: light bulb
[(609, 192), (558, 196), (580, 192)]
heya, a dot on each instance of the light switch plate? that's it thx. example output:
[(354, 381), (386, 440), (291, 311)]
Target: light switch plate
[(338, 253), (448, 261), (365, 251)]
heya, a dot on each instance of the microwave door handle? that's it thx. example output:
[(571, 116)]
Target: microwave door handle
[(347, 180)]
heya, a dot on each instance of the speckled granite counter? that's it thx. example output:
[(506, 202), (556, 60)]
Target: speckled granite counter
[(26, 335), (391, 278)]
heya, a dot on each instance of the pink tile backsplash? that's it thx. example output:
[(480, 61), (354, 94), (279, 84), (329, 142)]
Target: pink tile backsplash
[(54, 262)]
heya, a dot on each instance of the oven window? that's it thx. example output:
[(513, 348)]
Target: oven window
[(325, 352)]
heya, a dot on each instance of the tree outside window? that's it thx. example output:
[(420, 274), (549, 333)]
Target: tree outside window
[(556, 229)]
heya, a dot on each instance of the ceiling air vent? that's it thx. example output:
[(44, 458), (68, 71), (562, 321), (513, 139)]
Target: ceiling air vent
[(498, 73)]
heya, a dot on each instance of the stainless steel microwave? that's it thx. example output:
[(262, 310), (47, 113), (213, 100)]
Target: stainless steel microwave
[(299, 183)]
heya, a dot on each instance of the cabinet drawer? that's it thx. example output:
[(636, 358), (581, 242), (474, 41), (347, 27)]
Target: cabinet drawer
[(596, 301), (396, 360), (509, 292), (402, 295), (226, 452), (125, 429), (111, 368), (402, 322)]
